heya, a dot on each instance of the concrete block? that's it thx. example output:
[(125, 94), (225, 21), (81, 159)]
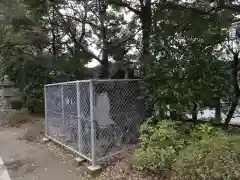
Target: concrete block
[(45, 139), (79, 160), (95, 168)]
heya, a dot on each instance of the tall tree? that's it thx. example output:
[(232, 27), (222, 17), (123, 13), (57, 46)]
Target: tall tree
[(90, 24)]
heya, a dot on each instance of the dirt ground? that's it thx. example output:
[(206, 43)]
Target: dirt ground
[(27, 158)]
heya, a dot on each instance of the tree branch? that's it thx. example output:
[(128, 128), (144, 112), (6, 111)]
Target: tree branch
[(73, 37), (84, 21), (69, 48), (185, 7), (126, 39), (236, 89), (221, 6), (233, 7), (123, 4)]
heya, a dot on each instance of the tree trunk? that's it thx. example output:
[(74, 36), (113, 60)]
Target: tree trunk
[(146, 20), (218, 110), (231, 112), (105, 63), (236, 89), (173, 116), (145, 15), (104, 66), (194, 113)]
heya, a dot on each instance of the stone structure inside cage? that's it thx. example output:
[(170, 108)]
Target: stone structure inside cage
[(94, 118)]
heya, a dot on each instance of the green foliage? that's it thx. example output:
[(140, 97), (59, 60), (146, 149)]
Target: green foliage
[(188, 69), (214, 157), (204, 130), (179, 85), (34, 101), (185, 66), (160, 146), (206, 153), (25, 58), (30, 79)]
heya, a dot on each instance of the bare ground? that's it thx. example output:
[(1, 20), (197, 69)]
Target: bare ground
[(28, 130)]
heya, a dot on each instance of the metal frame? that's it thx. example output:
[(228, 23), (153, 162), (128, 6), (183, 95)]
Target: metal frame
[(78, 117), (93, 80), (67, 147), (93, 128), (93, 159), (45, 110)]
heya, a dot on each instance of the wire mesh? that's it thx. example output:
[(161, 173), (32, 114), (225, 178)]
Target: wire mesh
[(68, 117), (62, 114), (101, 120), (119, 111), (84, 125)]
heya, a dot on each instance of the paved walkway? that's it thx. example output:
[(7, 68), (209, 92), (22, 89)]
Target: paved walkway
[(20, 159)]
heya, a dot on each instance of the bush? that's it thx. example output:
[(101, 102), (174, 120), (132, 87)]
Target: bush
[(206, 153), (214, 157), (204, 130), (160, 144), (34, 98)]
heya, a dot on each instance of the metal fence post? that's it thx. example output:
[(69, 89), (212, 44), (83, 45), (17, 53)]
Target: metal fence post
[(62, 106), (94, 166), (45, 110), (79, 120)]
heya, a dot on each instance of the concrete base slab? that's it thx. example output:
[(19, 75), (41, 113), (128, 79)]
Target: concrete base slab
[(45, 139), (79, 160), (94, 168)]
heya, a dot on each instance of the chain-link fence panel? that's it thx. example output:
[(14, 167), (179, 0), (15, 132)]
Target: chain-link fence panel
[(118, 112), (53, 98), (61, 113), (70, 121), (53, 111), (95, 118), (84, 125), (68, 115)]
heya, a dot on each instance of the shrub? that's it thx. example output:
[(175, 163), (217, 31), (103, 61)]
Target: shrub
[(34, 98), (160, 144), (204, 130), (204, 153), (215, 156)]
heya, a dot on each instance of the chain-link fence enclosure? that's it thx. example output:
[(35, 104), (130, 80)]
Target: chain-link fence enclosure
[(94, 118)]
